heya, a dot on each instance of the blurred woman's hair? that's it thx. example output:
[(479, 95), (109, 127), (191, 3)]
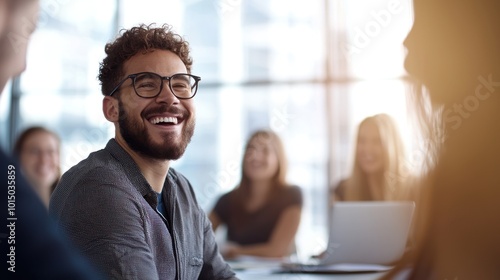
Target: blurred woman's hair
[(264, 136), (458, 232), (395, 173)]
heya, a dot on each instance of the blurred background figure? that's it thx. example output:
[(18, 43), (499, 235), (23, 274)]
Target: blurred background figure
[(39, 250), (3, 14), (379, 171), (38, 149), (453, 51), (262, 214), (14, 43)]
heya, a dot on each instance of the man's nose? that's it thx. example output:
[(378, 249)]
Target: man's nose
[(166, 95)]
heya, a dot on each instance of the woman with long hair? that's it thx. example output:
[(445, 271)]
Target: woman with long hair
[(262, 213), (380, 170), (453, 53)]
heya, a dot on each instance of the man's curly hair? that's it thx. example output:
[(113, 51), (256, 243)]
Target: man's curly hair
[(142, 39)]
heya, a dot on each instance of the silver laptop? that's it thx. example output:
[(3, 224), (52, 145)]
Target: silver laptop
[(368, 232), (364, 233)]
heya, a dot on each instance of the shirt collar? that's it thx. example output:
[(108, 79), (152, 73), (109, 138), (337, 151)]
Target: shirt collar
[(134, 173)]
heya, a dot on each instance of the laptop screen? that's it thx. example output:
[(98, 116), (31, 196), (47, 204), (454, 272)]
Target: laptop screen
[(368, 232)]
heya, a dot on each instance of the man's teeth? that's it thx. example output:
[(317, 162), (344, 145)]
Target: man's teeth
[(164, 120)]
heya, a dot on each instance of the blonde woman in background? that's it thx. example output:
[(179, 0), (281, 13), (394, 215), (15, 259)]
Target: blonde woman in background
[(262, 213), (380, 169), (38, 149)]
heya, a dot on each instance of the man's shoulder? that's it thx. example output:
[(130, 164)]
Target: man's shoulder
[(89, 176), (97, 182), (97, 163)]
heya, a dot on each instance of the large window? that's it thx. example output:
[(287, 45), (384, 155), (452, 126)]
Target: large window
[(310, 70)]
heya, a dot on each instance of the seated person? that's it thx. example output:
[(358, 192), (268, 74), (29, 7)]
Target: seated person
[(378, 172), (37, 149), (124, 207), (262, 213)]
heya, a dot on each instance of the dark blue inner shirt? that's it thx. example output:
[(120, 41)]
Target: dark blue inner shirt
[(161, 205)]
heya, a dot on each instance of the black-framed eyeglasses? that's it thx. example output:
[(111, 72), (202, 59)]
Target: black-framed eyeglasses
[(149, 85)]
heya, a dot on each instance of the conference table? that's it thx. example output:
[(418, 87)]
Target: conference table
[(263, 275), (252, 269)]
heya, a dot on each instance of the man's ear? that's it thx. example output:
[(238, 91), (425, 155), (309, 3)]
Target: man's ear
[(110, 108)]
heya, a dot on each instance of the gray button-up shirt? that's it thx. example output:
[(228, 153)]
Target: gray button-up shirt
[(108, 209)]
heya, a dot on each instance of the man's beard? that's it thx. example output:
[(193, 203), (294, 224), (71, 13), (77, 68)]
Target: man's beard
[(139, 140)]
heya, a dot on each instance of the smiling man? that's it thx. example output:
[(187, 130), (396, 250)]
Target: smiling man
[(124, 207)]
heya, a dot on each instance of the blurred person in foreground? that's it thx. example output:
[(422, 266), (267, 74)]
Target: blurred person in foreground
[(453, 52), (31, 247), (37, 150), (17, 22), (262, 214), (124, 206)]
